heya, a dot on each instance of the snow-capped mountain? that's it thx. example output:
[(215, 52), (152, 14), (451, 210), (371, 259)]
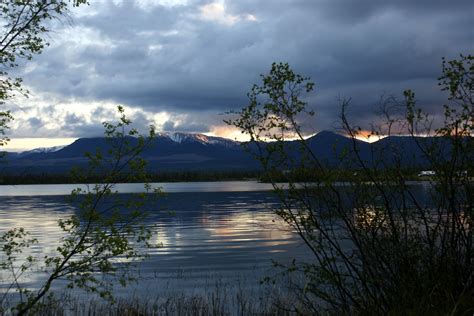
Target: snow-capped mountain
[(41, 150), (180, 138)]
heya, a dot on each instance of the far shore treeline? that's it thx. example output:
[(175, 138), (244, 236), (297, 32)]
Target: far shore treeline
[(171, 176), (205, 176)]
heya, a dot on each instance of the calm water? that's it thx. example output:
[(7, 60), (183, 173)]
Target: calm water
[(210, 232), (169, 187)]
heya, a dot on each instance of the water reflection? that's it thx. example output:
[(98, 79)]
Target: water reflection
[(370, 217), (169, 187), (39, 217), (202, 234)]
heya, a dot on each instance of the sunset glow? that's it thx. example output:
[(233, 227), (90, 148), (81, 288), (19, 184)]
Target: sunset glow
[(23, 144)]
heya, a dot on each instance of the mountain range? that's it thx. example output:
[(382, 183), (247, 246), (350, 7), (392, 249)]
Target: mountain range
[(196, 152)]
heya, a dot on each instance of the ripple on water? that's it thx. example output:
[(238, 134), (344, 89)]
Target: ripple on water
[(202, 234)]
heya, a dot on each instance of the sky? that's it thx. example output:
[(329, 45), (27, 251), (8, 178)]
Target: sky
[(182, 64)]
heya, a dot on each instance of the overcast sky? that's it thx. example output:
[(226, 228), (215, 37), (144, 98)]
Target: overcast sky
[(180, 64)]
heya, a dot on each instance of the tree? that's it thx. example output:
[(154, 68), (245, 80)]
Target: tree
[(5, 118), (24, 27), (106, 227), (377, 246)]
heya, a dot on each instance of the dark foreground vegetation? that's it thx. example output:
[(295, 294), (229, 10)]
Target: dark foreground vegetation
[(216, 301), (377, 248)]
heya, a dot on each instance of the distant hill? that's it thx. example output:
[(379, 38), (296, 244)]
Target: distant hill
[(198, 152), (167, 152)]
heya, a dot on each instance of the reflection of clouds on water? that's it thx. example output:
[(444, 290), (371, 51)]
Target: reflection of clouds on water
[(220, 226), (39, 217), (206, 233), (370, 216), (166, 240), (238, 228)]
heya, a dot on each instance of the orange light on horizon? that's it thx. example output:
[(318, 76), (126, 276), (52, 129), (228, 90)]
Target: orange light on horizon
[(24, 144), (228, 132), (368, 136)]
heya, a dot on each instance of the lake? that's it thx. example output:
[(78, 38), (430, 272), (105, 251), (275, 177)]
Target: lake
[(168, 187), (211, 233)]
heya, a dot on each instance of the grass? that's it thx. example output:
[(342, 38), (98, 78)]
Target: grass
[(216, 302), (214, 295)]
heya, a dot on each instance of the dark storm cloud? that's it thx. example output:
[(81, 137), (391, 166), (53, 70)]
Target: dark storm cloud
[(170, 59)]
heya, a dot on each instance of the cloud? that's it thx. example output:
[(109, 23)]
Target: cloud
[(216, 12), (177, 60)]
